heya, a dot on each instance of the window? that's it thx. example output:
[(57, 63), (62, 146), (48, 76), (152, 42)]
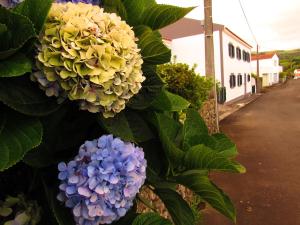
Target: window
[(232, 81), (231, 50), (275, 63), (240, 80), (248, 57), (244, 55), (238, 53), (249, 78)]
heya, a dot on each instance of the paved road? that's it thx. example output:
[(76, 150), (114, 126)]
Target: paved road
[(267, 133)]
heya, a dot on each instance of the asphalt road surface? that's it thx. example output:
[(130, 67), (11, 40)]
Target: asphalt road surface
[(267, 133)]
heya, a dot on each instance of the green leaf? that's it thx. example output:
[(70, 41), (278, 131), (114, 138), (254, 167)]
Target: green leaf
[(135, 10), (18, 135), (178, 208), (25, 97), (202, 157), (14, 66), (167, 101), (151, 219), (194, 124), (221, 143), (64, 131), (128, 125), (118, 126), (151, 88), (157, 181), (194, 127), (3, 28), (139, 128), (36, 10), (142, 29), (153, 49), (115, 6), (128, 218), (195, 133), (16, 31), (199, 182), (158, 16), (62, 214), (168, 130), (218, 142), (154, 153)]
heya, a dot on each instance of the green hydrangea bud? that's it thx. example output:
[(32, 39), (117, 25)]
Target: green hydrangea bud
[(91, 55), (18, 210)]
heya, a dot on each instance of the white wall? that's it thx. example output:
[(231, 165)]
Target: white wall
[(269, 67), (235, 66), (191, 50)]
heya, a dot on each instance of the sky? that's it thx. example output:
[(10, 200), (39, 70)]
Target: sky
[(275, 23)]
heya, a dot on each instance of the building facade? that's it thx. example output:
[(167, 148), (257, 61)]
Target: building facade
[(232, 54), (269, 68)]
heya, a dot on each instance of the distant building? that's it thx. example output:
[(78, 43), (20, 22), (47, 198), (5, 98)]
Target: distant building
[(269, 68), (297, 73), (232, 54)]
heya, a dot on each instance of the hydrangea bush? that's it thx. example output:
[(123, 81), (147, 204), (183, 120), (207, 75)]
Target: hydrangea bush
[(102, 56)]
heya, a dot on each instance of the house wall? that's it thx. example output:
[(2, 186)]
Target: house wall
[(236, 67), (191, 50), (268, 68)]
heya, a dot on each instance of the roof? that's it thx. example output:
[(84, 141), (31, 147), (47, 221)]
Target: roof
[(186, 27), (262, 56), (232, 34)]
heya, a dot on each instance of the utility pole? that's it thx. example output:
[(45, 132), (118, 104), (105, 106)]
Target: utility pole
[(257, 70), (209, 54), (209, 40)]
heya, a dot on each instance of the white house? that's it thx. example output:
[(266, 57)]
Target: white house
[(232, 54), (269, 68)]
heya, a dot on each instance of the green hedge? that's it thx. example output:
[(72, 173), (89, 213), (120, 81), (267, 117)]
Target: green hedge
[(183, 80)]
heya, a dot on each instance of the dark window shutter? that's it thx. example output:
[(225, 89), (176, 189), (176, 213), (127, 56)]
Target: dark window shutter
[(231, 50)]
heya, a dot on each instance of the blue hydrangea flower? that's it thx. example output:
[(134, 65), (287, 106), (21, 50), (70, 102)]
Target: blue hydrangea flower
[(100, 184), (10, 3), (13, 3), (94, 2)]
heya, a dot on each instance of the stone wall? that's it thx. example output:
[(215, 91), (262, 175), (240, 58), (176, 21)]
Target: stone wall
[(155, 202), (207, 112)]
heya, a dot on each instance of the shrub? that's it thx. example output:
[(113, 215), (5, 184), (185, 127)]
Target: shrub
[(184, 81), (282, 75)]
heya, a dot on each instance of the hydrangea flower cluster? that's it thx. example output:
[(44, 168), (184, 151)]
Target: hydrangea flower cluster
[(10, 3), (102, 181), (89, 56), (94, 2), (13, 3)]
